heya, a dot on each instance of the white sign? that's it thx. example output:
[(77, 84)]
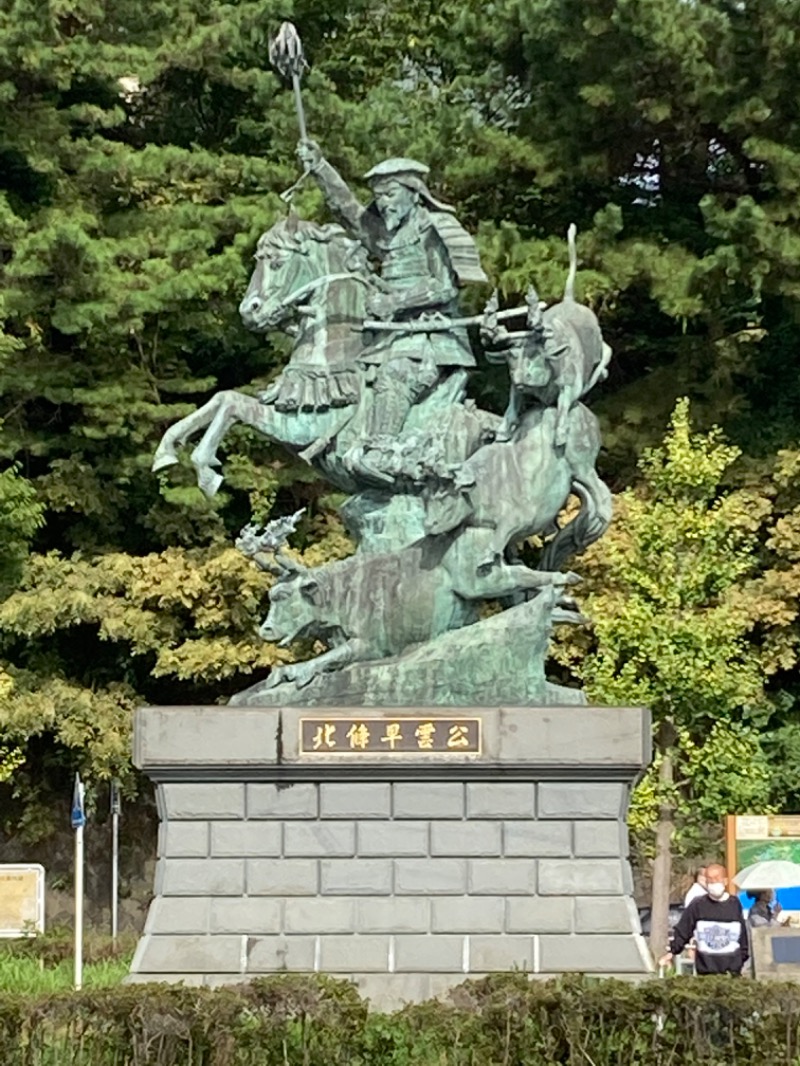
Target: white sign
[(21, 899), (752, 827)]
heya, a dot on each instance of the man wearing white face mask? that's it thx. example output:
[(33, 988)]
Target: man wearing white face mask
[(717, 924)]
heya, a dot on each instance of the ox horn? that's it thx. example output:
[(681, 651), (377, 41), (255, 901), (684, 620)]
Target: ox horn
[(280, 565), (535, 320), (269, 565), (288, 565)]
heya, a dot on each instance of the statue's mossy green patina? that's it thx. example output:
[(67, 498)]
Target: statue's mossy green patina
[(499, 661), (440, 492)]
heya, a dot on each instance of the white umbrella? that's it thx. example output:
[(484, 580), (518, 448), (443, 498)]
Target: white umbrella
[(771, 873)]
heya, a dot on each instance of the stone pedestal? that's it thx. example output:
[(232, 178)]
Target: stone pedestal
[(402, 863)]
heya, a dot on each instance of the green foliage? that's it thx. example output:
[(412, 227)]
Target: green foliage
[(141, 154), (672, 606), (727, 770), (43, 964), (27, 976), (311, 1021), (142, 150), (11, 759), (57, 945), (21, 514), (669, 627)]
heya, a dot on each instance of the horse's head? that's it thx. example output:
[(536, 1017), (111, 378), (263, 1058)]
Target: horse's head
[(296, 262)]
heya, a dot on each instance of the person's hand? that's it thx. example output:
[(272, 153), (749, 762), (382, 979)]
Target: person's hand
[(310, 154), (380, 305), (776, 910), (665, 960)]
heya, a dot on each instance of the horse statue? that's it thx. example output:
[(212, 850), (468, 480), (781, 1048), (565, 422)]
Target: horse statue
[(313, 283), (457, 489)]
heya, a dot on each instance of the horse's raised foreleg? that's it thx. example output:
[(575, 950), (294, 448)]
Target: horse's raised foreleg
[(218, 415), (232, 407), (166, 453)]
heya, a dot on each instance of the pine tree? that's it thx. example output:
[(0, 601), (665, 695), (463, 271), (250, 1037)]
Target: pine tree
[(144, 148), (141, 154)]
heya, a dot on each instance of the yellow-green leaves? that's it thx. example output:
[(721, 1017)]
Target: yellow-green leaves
[(674, 606), (670, 623), (726, 771)]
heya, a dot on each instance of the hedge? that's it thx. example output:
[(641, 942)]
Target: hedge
[(503, 1020)]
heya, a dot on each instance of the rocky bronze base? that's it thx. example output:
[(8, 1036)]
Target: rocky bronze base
[(500, 659), (406, 850)]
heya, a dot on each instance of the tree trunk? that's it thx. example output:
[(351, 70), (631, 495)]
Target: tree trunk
[(662, 863)]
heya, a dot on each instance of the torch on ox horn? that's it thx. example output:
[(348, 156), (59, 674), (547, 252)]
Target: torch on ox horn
[(266, 545)]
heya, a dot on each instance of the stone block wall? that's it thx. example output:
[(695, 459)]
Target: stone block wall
[(407, 882)]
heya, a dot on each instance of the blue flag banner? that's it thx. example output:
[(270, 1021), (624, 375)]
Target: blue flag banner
[(78, 818)]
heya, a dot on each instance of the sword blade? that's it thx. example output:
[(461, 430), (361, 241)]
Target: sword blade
[(435, 325)]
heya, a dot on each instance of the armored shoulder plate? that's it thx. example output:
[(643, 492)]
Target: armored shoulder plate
[(462, 248)]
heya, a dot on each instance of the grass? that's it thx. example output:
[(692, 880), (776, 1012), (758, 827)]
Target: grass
[(28, 976), (44, 964)]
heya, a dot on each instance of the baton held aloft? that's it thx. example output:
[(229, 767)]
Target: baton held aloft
[(286, 55)]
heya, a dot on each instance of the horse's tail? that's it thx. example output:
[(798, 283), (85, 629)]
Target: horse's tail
[(600, 372), (593, 519), (569, 288)]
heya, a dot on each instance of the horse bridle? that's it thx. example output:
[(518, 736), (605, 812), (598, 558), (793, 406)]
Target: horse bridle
[(294, 298)]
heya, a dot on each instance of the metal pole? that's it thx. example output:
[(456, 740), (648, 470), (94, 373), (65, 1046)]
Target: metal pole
[(115, 813), (78, 822), (298, 103), (78, 980)]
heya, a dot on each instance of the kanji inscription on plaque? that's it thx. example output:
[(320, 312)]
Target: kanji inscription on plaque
[(390, 736)]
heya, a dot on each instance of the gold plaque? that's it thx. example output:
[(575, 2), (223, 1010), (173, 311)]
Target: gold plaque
[(390, 736)]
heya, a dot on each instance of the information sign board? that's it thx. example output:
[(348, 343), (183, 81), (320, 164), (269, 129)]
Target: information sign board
[(21, 899)]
